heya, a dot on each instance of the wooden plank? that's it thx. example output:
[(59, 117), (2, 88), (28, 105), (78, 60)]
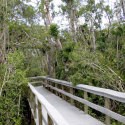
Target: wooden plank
[(70, 113), (118, 96), (55, 115), (101, 109)]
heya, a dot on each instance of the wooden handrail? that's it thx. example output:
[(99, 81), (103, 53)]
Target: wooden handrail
[(114, 95), (62, 82), (106, 93), (57, 119)]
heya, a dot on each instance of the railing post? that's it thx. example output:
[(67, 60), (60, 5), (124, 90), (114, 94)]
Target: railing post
[(56, 87), (50, 122), (63, 96), (32, 122), (86, 98), (40, 113), (50, 88), (46, 81), (107, 105), (31, 99), (34, 107), (72, 92)]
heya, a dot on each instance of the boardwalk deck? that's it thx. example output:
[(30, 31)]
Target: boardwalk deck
[(71, 114)]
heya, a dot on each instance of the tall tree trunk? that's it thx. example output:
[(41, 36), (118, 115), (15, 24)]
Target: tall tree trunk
[(93, 35), (117, 53), (4, 35), (72, 19), (4, 42), (50, 53), (123, 6), (48, 17), (50, 56)]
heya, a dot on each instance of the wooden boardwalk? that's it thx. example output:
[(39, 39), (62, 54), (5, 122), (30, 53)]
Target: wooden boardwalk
[(52, 102)]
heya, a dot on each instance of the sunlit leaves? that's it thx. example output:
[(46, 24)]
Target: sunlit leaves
[(28, 12), (54, 30)]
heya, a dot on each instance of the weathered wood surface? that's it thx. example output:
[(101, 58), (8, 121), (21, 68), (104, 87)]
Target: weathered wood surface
[(101, 109), (51, 110), (60, 109), (106, 93), (114, 95)]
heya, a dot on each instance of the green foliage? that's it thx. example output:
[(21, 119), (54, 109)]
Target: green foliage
[(28, 47), (118, 30), (2, 71), (14, 88), (16, 59), (34, 67), (54, 30), (28, 12)]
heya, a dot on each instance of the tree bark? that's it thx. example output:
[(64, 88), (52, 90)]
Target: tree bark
[(93, 35), (72, 20), (117, 53), (48, 17), (47, 22), (123, 6), (4, 37)]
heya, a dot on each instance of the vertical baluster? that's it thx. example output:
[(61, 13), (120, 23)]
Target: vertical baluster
[(28, 96), (34, 107), (72, 92), (49, 83), (63, 96), (31, 104), (50, 122), (107, 105), (56, 87), (32, 120), (31, 99), (29, 93), (46, 81), (40, 113), (85, 106), (52, 84)]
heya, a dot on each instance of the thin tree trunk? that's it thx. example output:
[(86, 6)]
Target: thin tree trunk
[(6, 78), (123, 6), (5, 32), (72, 20), (93, 35), (50, 54), (47, 22), (4, 43), (117, 54), (19, 101), (48, 17)]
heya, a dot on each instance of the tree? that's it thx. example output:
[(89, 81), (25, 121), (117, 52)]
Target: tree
[(70, 8), (93, 13), (123, 6)]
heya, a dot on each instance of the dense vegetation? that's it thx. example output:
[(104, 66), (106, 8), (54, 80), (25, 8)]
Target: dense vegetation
[(87, 53)]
